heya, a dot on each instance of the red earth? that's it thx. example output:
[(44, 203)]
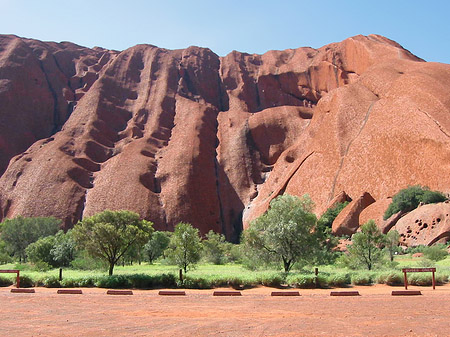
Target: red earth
[(255, 313)]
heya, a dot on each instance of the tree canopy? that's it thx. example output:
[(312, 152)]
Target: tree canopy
[(409, 198), (185, 246), (18, 233), (365, 245), (285, 233), (109, 234)]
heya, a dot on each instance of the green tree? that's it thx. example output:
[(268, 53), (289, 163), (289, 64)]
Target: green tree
[(215, 248), (365, 247), (409, 198), (327, 218), (39, 251), (109, 234), (285, 233), (436, 252), (156, 246), (391, 243), (185, 246), (19, 232), (64, 249), (55, 250)]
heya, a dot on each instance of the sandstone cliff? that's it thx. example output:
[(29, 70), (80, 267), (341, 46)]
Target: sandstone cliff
[(185, 135)]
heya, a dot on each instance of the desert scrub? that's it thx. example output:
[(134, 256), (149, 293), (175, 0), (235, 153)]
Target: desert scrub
[(425, 279), (5, 282), (272, 279), (49, 282), (191, 282), (362, 279), (390, 278), (306, 280), (338, 280), (26, 281), (113, 281)]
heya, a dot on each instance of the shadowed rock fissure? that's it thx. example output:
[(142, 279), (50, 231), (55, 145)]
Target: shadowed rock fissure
[(285, 185), (441, 128)]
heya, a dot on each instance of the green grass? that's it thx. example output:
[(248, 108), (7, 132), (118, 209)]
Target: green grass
[(234, 275)]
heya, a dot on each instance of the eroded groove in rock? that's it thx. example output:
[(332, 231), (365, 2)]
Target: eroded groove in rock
[(185, 135)]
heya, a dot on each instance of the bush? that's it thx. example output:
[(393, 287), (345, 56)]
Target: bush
[(143, 281), (113, 281), (271, 279), (26, 281), (390, 278), (426, 263), (435, 252), (361, 279), (195, 283), (307, 281), (5, 282), (87, 281), (425, 279), (69, 283), (51, 282), (409, 198), (338, 280), (415, 249)]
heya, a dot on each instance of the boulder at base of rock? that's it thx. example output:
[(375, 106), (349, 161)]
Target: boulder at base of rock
[(339, 199), (375, 212), (347, 222), (425, 225)]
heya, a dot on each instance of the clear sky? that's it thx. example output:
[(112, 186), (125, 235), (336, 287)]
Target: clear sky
[(423, 27)]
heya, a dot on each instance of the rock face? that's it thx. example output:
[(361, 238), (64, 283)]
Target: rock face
[(425, 225), (375, 211), (347, 222), (185, 135)]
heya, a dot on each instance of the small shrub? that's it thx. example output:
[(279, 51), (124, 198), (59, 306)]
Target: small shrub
[(435, 252), (361, 279), (390, 278), (42, 266), (5, 282), (143, 281), (51, 282), (69, 283), (307, 281), (338, 280), (425, 263), (87, 281), (271, 280), (26, 281), (195, 283), (113, 281), (425, 279)]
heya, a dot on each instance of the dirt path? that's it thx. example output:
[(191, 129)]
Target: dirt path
[(255, 313)]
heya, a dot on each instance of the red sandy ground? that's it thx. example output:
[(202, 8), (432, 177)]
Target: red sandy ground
[(255, 313)]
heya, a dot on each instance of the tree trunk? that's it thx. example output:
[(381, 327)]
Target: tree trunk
[(111, 268)]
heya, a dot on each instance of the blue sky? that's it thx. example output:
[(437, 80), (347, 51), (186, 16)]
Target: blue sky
[(422, 27)]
